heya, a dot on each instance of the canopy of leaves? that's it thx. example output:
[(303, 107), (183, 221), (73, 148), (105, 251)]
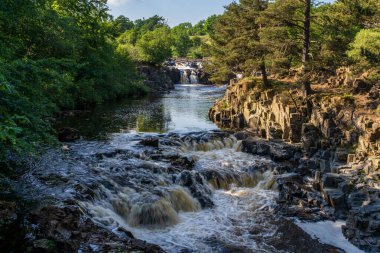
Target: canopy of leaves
[(341, 33), (56, 54), (366, 47)]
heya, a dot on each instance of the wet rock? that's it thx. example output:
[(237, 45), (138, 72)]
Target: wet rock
[(341, 156), (198, 187), (67, 229), (241, 135), (275, 132), (157, 78), (8, 218), (68, 134), (151, 142), (7, 211), (125, 232), (306, 167), (174, 74), (289, 187), (336, 198), (45, 245), (363, 227), (302, 242), (278, 151), (183, 163), (356, 199)]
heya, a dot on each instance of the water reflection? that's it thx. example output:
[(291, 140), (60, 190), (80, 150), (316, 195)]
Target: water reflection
[(184, 109)]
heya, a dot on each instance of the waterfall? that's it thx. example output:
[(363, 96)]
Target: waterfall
[(194, 77), (184, 77), (189, 72), (189, 76)]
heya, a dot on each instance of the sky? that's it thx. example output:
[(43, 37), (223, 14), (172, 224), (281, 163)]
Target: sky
[(174, 11)]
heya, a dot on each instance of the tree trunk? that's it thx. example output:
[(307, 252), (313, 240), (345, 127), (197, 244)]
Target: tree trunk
[(306, 47), (264, 74)]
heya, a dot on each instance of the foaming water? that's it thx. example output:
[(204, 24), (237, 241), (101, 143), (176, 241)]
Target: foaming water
[(228, 226), (170, 214), (192, 191)]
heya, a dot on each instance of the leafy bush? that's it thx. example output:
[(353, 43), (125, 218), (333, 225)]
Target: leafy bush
[(155, 46), (366, 47)]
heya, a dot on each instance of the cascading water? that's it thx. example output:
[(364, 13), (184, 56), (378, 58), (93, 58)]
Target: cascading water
[(190, 189), (196, 209), (189, 75)]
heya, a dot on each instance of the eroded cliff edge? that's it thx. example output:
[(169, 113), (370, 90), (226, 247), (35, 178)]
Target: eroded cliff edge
[(338, 128)]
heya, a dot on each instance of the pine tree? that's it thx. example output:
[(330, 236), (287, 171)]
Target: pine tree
[(236, 44)]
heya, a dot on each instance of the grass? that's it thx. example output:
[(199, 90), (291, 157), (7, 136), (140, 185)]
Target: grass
[(349, 98)]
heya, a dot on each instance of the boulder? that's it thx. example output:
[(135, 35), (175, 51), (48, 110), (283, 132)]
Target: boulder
[(66, 229), (198, 187), (68, 134), (362, 226), (150, 142), (331, 180)]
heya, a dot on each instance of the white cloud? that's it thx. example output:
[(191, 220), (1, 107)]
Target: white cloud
[(119, 2)]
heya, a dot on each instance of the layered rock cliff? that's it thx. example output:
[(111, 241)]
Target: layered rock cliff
[(338, 128)]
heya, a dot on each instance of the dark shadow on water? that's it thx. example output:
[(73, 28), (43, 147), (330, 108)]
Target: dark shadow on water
[(182, 110)]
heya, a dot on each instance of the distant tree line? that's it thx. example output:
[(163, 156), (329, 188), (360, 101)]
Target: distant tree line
[(153, 41)]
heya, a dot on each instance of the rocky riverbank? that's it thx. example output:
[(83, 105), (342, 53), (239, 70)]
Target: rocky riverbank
[(91, 194), (336, 169)]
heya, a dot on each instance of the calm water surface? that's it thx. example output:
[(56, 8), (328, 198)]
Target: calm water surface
[(182, 110)]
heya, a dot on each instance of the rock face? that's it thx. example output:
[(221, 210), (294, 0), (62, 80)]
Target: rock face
[(268, 114), (335, 169), (363, 222), (157, 78), (67, 229)]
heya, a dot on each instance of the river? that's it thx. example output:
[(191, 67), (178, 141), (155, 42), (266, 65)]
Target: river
[(159, 168)]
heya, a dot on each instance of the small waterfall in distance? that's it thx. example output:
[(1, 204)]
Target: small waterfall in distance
[(189, 74)]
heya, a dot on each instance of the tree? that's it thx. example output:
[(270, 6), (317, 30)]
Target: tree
[(144, 25), (306, 46), (335, 28), (209, 24), (181, 39), (122, 24), (366, 47), (294, 17), (236, 43), (55, 54), (155, 45)]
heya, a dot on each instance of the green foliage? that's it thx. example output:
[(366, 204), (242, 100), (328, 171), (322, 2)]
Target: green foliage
[(155, 45), (181, 40), (366, 47), (236, 44), (245, 36), (151, 41), (57, 54), (122, 24)]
